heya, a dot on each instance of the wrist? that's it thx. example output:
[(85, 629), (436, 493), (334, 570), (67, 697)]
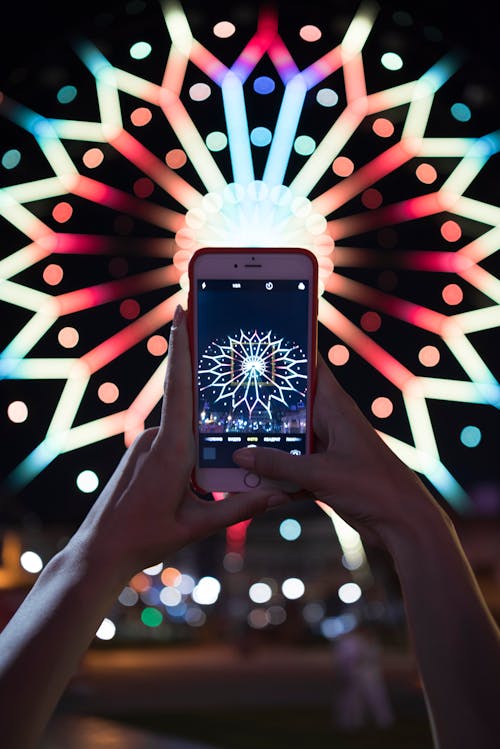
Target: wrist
[(423, 530)]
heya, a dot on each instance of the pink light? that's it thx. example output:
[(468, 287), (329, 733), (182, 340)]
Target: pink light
[(372, 198), (141, 116), (157, 345), (208, 63), (108, 392), (451, 231), (310, 33), (323, 67), (62, 212), (363, 178), (282, 60), (120, 201), (425, 205), (382, 407), (355, 86), (383, 127), (93, 158), (399, 308), (342, 166), (159, 172), (374, 354), (130, 309), (53, 274), (338, 354), (176, 158), (426, 173), (128, 337), (92, 296), (370, 321), (452, 294), (257, 46), (429, 356), (143, 187)]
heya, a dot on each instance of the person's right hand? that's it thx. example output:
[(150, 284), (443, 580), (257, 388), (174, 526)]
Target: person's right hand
[(352, 469)]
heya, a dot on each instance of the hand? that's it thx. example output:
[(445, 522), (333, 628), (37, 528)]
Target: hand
[(352, 470), (148, 510)]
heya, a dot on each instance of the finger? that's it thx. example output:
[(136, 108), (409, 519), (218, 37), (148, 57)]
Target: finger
[(242, 506), (177, 402), (280, 465)]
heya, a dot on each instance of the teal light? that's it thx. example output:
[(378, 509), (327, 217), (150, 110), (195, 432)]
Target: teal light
[(66, 94), (470, 436), (305, 145), (216, 141), (461, 112), (140, 50), (11, 158)]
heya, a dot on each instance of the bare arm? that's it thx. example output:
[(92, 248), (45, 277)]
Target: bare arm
[(455, 638), (145, 513)]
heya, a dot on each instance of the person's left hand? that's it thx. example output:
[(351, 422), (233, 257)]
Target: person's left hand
[(147, 510)]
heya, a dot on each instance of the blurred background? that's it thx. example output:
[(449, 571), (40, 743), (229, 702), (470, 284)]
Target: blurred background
[(105, 194)]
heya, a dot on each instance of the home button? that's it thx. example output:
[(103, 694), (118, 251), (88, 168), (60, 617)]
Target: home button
[(252, 480)]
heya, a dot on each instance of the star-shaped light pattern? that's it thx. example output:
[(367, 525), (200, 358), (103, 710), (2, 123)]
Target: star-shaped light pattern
[(253, 369), (311, 191)]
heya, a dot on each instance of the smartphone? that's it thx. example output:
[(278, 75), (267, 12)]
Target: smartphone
[(253, 328)]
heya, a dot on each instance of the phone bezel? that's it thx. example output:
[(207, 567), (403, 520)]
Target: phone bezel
[(249, 263)]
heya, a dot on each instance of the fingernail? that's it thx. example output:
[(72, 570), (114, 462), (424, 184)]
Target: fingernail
[(277, 499), (244, 458), (178, 315)]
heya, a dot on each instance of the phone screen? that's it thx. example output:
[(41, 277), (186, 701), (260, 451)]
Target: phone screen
[(252, 352)]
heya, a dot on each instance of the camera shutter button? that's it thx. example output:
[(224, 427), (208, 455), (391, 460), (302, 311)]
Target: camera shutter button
[(252, 480)]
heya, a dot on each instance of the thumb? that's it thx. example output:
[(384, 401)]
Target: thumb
[(236, 508), (277, 464)]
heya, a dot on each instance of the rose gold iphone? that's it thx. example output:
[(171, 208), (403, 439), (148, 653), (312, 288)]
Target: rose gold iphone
[(253, 326)]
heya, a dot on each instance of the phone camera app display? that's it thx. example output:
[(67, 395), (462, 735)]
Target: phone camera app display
[(252, 367)]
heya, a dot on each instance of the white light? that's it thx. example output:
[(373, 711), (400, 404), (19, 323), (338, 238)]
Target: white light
[(391, 61), (293, 588), (106, 631), (170, 596), (154, 570), (87, 481), (31, 562), (206, 591), (128, 597), (260, 592), (349, 592), (185, 585)]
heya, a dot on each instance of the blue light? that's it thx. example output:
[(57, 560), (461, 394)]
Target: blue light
[(470, 436), (290, 529), (261, 136), (264, 85)]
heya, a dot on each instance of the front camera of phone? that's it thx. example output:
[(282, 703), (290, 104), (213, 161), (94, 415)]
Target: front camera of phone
[(236, 265)]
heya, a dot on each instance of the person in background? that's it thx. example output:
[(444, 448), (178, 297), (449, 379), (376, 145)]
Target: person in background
[(360, 696), (147, 512)]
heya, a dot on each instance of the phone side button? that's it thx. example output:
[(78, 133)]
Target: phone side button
[(252, 480)]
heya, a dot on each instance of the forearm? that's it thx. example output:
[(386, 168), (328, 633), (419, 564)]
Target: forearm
[(42, 645), (455, 638)]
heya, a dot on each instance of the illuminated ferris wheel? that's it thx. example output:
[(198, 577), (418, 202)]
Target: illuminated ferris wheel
[(219, 136)]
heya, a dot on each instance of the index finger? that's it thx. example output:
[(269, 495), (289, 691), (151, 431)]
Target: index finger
[(177, 406)]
